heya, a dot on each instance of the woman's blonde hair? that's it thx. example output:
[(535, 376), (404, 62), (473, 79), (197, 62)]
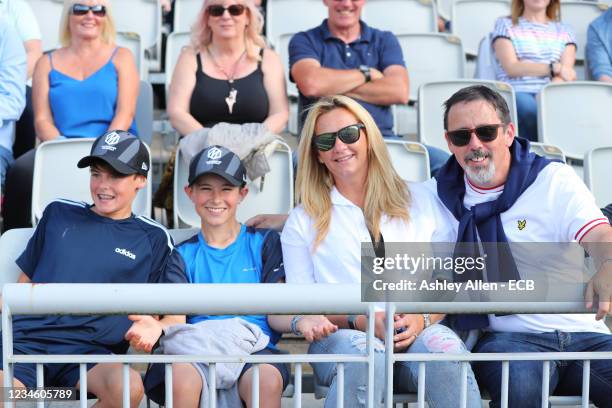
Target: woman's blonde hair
[(553, 10), (201, 34), (108, 32), (386, 193)]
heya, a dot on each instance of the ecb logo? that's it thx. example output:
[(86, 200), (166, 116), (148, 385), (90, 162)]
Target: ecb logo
[(112, 139), (214, 153)]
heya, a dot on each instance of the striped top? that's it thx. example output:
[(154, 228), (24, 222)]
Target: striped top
[(533, 42)]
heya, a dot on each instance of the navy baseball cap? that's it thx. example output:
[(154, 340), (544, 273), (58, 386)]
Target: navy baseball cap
[(123, 151), (220, 161)]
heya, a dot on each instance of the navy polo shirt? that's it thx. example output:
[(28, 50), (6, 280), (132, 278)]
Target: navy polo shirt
[(374, 48), (73, 244)]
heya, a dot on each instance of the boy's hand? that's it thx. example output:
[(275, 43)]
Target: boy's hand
[(144, 333), (315, 327)]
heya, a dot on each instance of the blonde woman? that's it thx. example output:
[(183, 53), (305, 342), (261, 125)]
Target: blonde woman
[(227, 74), (83, 89), (348, 193)]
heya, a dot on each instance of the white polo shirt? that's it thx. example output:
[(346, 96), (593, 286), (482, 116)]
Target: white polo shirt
[(337, 259), (557, 207), (20, 14)]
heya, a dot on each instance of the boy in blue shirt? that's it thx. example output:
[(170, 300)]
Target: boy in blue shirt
[(99, 243), (225, 251)]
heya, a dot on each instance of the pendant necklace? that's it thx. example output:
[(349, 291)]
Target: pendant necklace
[(230, 99)]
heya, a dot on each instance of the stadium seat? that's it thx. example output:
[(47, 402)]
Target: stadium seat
[(185, 14), (139, 16), (12, 244), (587, 127), (144, 112), (282, 48), (174, 44), (548, 151), (431, 112), (291, 16), (401, 16), (56, 176), (410, 159), (597, 165), (432, 57), (444, 7), (474, 19), (271, 194), (579, 14), (48, 14), (132, 42)]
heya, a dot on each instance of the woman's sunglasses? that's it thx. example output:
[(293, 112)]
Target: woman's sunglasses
[(485, 133), (81, 9), (218, 10), (348, 135)]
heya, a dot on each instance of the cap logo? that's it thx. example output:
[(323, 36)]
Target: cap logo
[(144, 166), (214, 153), (112, 138)]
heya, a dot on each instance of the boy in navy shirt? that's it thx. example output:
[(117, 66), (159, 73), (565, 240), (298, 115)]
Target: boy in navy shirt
[(225, 251), (99, 243)]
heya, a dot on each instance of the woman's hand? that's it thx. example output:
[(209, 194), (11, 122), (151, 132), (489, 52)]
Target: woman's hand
[(407, 327), (567, 73), (315, 327)]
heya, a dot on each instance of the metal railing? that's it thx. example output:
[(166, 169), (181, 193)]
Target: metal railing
[(122, 299)]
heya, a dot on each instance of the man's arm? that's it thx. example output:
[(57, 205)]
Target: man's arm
[(598, 243), (389, 89), (600, 62), (315, 81), (12, 74)]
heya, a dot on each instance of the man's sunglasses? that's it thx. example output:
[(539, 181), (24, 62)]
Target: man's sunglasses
[(348, 135), (218, 10), (486, 133), (81, 9)]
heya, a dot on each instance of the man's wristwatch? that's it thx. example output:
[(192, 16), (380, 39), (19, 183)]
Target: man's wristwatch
[(365, 70), (351, 322), (426, 320)]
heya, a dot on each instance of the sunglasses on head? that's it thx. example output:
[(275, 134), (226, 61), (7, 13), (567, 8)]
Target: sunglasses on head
[(348, 135), (81, 9), (217, 10), (485, 133)]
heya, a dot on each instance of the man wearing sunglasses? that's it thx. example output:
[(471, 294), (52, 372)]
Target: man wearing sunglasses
[(495, 190)]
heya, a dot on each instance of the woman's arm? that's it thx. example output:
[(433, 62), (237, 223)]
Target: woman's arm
[(567, 60), (181, 88), (43, 117), (127, 92), (274, 83), (504, 50)]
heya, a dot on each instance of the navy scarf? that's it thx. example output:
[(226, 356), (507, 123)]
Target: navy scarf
[(483, 220)]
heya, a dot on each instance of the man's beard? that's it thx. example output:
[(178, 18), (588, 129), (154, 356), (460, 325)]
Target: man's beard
[(481, 175)]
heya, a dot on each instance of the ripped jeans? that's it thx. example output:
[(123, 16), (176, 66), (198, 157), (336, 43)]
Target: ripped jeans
[(442, 379)]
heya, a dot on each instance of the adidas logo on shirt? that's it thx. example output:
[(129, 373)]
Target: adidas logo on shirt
[(125, 252)]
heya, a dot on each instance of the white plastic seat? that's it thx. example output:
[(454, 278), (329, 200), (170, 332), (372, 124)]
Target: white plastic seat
[(139, 16), (444, 8), (597, 165), (401, 16), (12, 244), (56, 175), (48, 14), (410, 159), (432, 57), (548, 151), (282, 48), (291, 16), (132, 42), (579, 14), (144, 112), (431, 112), (272, 194), (575, 116), (174, 44), (474, 19), (185, 14)]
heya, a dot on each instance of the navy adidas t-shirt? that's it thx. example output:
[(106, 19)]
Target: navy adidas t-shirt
[(254, 257), (73, 244)]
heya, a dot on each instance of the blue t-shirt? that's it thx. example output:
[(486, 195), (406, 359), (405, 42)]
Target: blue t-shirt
[(375, 48), (254, 257), (73, 244)]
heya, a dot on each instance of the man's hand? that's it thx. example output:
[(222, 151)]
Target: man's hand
[(412, 325), (271, 221), (600, 285), (315, 327), (144, 333)]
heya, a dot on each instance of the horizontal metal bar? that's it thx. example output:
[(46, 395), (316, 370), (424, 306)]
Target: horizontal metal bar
[(594, 355), (247, 298), (160, 358)]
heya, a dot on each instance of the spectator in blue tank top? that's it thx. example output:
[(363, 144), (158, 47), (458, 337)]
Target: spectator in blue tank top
[(226, 251), (84, 89)]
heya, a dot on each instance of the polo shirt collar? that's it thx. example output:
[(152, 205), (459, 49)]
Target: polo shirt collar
[(366, 32), (339, 199)]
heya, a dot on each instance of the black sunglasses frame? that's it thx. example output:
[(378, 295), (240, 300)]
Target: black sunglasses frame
[(235, 10), (340, 134), (79, 9), (484, 133)]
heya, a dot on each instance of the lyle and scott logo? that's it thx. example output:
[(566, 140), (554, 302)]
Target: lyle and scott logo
[(521, 224), (125, 252)]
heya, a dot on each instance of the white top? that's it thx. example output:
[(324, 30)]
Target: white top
[(20, 14), (557, 207), (337, 259)]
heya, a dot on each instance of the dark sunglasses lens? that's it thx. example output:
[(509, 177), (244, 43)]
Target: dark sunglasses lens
[(487, 133), (216, 11), (80, 9), (236, 9), (349, 134), (325, 141), (459, 137), (99, 10)]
